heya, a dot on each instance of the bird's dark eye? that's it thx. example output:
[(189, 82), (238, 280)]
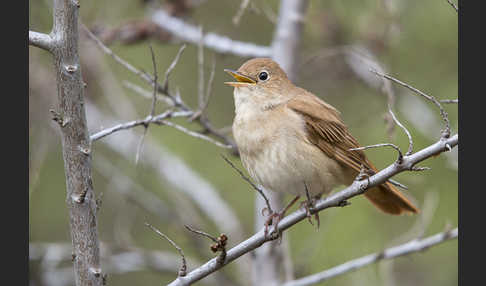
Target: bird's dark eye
[(263, 75)]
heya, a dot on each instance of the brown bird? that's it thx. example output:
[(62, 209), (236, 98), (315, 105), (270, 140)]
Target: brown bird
[(291, 141)]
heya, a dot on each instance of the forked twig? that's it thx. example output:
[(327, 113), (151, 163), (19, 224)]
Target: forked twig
[(445, 133), (183, 269)]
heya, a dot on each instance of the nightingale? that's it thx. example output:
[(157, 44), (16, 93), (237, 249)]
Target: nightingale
[(291, 141)]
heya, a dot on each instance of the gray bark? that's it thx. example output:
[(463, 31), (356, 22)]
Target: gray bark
[(71, 116)]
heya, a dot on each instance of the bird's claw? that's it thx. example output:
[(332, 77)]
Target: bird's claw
[(309, 205)]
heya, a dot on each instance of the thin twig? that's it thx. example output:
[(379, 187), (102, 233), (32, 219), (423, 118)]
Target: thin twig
[(400, 155), (145, 93), (154, 99), (415, 245), (209, 85), (219, 243), (448, 101), (183, 269), (152, 107), (259, 190), (200, 63), (202, 233), (453, 5), (447, 132), (193, 133), (240, 12), (410, 140), (124, 126), (165, 85)]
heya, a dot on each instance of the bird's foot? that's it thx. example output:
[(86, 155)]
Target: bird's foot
[(274, 218), (309, 205)]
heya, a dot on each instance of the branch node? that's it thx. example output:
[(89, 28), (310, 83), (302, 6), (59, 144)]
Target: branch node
[(418, 169), (76, 3), (218, 245), (344, 203), (79, 198), (95, 271), (59, 118), (85, 150), (71, 68)]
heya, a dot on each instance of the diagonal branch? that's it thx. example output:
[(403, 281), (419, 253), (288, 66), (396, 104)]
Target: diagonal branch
[(335, 200), (412, 246), (453, 5), (218, 43), (183, 269)]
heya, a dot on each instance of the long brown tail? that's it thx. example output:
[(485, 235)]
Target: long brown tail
[(388, 199)]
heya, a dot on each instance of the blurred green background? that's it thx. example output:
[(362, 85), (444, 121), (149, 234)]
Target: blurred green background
[(416, 41)]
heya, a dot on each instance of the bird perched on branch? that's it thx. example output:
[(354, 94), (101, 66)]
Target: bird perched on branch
[(291, 141)]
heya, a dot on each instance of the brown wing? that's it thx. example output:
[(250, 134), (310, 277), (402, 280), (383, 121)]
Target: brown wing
[(326, 130)]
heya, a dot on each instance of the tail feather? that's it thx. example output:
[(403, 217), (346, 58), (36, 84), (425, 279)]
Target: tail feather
[(389, 200)]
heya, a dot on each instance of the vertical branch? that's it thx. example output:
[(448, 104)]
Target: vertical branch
[(287, 35), (268, 258), (76, 147)]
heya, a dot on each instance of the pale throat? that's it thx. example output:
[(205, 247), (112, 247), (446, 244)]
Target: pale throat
[(250, 101)]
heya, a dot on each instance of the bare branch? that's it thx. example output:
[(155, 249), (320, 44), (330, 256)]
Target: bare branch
[(165, 85), (209, 86), (176, 101), (446, 133), (218, 43), (236, 19), (249, 182), (410, 141), (287, 35), (412, 246), (41, 40), (183, 269), (154, 98), (335, 200), (145, 93), (453, 5), (219, 243), (76, 148), (400, 155), (449, 101), (124, 126), (194, 134), (152, 107), (200, 232)]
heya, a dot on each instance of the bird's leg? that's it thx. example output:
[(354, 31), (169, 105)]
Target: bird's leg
[(278, 216), (308, 205)]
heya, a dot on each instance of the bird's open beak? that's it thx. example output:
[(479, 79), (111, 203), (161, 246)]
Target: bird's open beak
[(242, 80)]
